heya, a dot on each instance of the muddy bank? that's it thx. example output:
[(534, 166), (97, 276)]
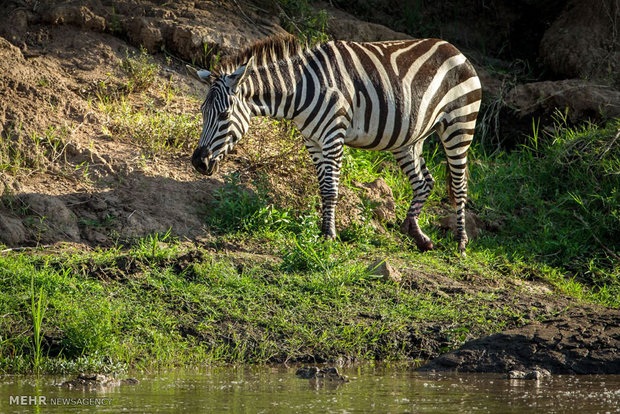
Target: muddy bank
[(584, 342)]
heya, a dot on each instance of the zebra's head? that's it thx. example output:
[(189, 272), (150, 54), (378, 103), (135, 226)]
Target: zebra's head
[(226, 117)]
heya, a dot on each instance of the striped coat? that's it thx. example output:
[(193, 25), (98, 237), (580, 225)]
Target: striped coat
[(384, 96)]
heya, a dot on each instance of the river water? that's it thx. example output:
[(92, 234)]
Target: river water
[(276, 389)]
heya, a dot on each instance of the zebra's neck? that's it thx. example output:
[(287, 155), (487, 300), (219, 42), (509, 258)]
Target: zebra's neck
[(265, 96), (272, 89)]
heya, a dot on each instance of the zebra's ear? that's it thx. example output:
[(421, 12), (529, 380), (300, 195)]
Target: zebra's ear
[(236, 78), (202, 75)]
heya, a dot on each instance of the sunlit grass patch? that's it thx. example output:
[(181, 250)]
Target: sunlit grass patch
[(23, 153), (142, 108), (155, 129), (140, 70)]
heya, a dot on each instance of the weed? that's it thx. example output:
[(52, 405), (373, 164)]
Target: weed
[(21, 152), (558, 199), (234, 206), (151, 247), (311, 253), (37, 312), (114, 23), (139, 69)]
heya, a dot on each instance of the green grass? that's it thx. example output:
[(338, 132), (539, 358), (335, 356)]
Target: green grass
[(558, 204), (37, 312), (139, 69), (148, 307), (301, 18), (144, 110), (154, 129)]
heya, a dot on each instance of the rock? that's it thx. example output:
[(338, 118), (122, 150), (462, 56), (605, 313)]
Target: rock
[(142, 31), (325, 374), (473, 225), (381, 198), (536, 374), (12, 231), (582, 42), (343, 26), (380, 193), (578, 343), (514, 374), (94, 381), (193, 34), (55, 220), (385, 270), (74, 14), (307, 372), (584, 100)]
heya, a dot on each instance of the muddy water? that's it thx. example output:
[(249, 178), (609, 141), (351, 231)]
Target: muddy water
[(276, 389)]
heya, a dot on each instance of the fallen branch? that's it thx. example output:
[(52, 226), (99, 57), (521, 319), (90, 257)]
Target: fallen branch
[(587, 226)]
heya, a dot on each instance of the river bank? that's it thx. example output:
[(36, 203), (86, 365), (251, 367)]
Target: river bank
[(163, 303)]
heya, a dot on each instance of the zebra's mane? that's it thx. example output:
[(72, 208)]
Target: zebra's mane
[(265, 51)]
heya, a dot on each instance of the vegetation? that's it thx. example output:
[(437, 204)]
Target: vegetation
[(158, 302), (140, 118), (267, 287), (558, 202), (22, 153), (301, 18)]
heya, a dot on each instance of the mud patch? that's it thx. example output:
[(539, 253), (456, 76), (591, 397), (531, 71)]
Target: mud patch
[(584, 342)]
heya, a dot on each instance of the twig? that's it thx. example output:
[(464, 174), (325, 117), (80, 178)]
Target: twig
[(609, 145), (18, 249), (587, 226), (14, 249), (288, 18), (243, 13)]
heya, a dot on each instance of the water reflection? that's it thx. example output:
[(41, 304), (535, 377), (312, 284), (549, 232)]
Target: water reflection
[(372, 388)]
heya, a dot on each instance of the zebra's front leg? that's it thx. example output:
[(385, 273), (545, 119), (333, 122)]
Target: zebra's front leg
[(328, 162), (421, 181)]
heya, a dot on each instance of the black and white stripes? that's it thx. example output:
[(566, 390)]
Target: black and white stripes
[(386, 96)]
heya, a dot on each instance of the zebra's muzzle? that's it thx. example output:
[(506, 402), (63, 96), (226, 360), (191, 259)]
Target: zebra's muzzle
[(202, 164)]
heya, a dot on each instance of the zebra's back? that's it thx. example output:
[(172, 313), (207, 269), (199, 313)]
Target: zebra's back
[(398, 91)]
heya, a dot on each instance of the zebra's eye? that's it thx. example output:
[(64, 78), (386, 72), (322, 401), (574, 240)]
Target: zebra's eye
[(222, 116)]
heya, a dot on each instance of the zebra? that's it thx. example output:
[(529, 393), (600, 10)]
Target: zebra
[(383, 96)]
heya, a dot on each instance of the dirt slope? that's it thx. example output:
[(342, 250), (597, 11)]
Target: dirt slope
[(78, 181), (50, 93)]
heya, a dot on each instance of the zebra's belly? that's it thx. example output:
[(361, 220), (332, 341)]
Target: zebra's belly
[(385, 130), (387, 140)]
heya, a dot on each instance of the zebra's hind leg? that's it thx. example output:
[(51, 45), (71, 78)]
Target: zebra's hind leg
[(456, 146), (422, 182)]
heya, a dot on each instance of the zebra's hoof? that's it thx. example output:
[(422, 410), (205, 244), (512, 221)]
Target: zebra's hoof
[(424, 245), (410, 227), (462, 245)]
